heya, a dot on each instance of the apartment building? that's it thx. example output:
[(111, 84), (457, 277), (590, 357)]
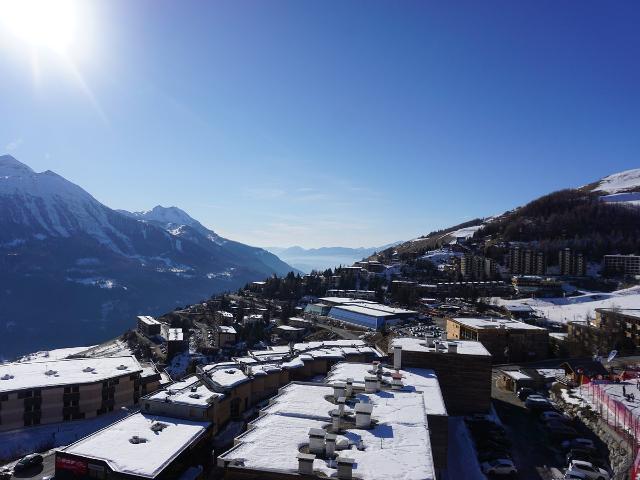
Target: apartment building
[(463, 368), (474, 267), (612, 329), (622, 264), (43, 392), (536, 286), (149, 326), (526, 261), (507, 340), (225, 336), (572, 263)]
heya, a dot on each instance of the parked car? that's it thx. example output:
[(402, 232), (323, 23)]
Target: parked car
[(501, 466), (574, 476), (589, 470), (5, 473), (538, 403), (553, 416), (560, 431), (27, 462), (524, 392), (578, 443), (586, 456), (488, 455)]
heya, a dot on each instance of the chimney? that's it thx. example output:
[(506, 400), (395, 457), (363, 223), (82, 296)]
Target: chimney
[(397, 357), (396, 380), (430, 342), (316, 441), (345, 468), (363, 414), (305, 463), (338, 390), (341, 402), (370, 384), (335, 420), (349, 389), (453, 347), (443, 335), (330, 438)]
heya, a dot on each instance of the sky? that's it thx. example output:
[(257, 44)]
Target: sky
[(322, 123)]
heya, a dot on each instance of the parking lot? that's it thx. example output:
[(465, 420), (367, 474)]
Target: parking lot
[(536, 454)]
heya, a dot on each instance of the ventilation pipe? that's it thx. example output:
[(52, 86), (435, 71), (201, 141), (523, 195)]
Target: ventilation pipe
[(396, 380), (316, 441), (363, 414), (330, 447), (345, 468), (453, 347), (349, 388), (341, 402), (397, 357), (431, 342), (335, 420), (305, 463), (339, 390), (371, 384)]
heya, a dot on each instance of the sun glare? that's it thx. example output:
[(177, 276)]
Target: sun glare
[(41, 23)]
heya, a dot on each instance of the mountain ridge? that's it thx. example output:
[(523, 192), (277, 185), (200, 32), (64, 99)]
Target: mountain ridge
[(104, 266)]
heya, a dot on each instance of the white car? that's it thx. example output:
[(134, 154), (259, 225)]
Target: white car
[(537, 401), (588, 469), (578, 443), (499, 467), (574, 476)]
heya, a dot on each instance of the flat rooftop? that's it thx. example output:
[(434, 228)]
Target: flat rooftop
[(423, 380), (629, 312), (161, 445), (465, 347), (289, 328), (175, 335), (146, 319), (225, 375), (225, 329), (341, 300), (397, 446), (495, 323), (188, 391), (53, 373)]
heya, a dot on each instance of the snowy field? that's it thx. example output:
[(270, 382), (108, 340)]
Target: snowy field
[(581, 307)]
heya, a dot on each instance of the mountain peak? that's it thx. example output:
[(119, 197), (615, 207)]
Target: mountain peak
[(168, 215), (9, 166), (620, 182)]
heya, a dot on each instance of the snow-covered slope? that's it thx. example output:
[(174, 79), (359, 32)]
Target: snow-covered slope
[(65, 259), (626, 181)]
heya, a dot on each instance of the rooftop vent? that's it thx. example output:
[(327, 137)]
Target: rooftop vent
[(305, 463), (345, 468), (194, 389), (194, 395), (371, 384), (122, 367), (330, 446), (88, 369), (136, 440), (339, 390), (349, 388), (363, 414), (6, 376), (158, 426), (397, 357), (316, 441), (51, 373), (230, 372), (453, 347)]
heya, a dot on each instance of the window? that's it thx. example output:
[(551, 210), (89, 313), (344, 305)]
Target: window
[(235, 408), (4, 397), (75, 389)]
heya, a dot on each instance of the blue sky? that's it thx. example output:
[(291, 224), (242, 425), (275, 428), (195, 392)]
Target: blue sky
[(328, 123)]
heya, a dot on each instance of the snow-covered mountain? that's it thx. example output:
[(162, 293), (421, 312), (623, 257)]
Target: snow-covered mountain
[(68, 261), (627, 181)]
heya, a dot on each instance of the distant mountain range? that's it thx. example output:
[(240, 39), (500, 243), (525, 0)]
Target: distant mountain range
[(74, 272), (599, 218), (308, 259)]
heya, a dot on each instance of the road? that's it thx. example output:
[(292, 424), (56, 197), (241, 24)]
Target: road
[(47, 468), (346, 334), (535, 456)]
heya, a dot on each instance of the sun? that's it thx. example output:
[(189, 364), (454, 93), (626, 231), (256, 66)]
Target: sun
[(47, 24)]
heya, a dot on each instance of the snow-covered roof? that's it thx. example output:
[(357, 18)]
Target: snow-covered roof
[(342, 300), (225, 329), (225, 375), (423, 380), (465, 347), (495, 323), (188, 391), (147, 458), (396, 447), (147, 320), (53, 373), (518, 308), (289, 328), (516, 375)]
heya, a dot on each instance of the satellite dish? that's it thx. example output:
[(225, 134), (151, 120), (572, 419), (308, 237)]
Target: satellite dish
[(612, 355)]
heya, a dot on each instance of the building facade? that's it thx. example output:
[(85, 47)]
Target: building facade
[(572, 263), (612, 329), (526, 261), (622, 264)]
